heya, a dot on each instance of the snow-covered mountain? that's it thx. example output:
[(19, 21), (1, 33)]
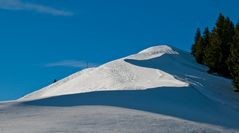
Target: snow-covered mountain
[(160, 89), (154, 67), (115, 75)]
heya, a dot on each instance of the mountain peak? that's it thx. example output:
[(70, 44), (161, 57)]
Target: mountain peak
[(158, 49), (153, 52)]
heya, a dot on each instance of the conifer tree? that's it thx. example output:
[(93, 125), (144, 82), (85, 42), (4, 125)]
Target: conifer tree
[(227, 38), (218, 49), (233, 60), (206, 37), (212, 52), (197, 48), (197, 36)]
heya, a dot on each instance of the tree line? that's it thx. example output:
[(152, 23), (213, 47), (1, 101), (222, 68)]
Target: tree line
[(219, 49)]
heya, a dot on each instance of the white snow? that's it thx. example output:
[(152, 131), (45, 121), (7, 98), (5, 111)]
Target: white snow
[(160, 89), (96, 119), (153, 52), (115, 75)]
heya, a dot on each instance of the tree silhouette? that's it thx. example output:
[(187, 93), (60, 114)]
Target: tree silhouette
[(233, 60), (219, 49), (197, 48)]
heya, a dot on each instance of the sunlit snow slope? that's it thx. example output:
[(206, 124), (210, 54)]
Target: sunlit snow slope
[(115, 75)]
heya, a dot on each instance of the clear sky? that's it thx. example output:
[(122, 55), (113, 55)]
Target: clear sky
[(49, 39)]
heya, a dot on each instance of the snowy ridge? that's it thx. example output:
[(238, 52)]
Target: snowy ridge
[(115, 75), (153, 52)]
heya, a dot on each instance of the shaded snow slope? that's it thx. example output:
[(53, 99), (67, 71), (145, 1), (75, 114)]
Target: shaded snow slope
[(96, 119), (185, 103), (115, 75), (183, 67)]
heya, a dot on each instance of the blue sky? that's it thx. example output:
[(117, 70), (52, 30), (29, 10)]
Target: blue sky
[(46, 40)]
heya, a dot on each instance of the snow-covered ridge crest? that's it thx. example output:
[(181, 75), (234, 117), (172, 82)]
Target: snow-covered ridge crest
[(159, 49), (153, 52), (114, 75)]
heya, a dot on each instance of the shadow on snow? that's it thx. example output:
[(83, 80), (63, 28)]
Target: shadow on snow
[(181, 102)]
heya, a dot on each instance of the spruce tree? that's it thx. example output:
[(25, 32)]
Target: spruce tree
[(233, 60), (213, 53), (206, 37), (197, 36), (197, 48), (227, 38), (218, 49)]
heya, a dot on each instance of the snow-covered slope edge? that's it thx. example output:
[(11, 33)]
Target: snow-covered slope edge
[(115, 75)]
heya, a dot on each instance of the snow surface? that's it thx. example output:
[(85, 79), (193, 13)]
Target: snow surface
[(153, 52), (115, 75), (96, 119), (158, 90)]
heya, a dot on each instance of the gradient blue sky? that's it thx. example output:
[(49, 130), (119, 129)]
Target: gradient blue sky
[(48, 39)]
